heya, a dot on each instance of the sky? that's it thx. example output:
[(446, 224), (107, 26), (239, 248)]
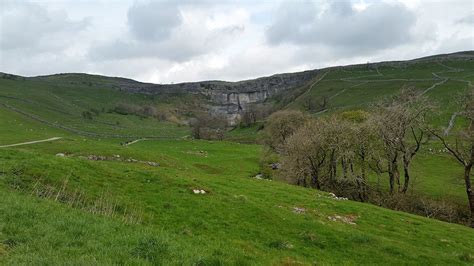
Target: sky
[(181, 41)]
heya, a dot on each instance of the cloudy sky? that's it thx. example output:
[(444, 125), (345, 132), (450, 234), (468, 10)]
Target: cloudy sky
[(177, 41)]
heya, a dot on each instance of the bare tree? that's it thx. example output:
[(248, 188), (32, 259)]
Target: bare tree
[(207, 126), (461, 147), (253, 113), (401, 124), (281, 125), (305, 154)]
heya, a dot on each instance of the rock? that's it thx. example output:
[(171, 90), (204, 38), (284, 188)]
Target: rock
[(275, 166), (153, 164), (199, 191), (259, 176), (348, 219), (333, 196), (60, 154), (228, 98), (299, 210)]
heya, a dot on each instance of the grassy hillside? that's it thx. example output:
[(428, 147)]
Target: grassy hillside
[(87, 199), (240, 220), (62, 104), (356, 87)]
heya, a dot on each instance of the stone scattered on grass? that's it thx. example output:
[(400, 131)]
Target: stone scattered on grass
[(299, 210), (333, 196), (347, 219), (199, 191), (117, 157), (261, 177), (60, 155)]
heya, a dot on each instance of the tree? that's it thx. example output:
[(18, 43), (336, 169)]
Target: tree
[(254, 112), (461, 147), (305, 154), (364, 144), (281, 125), (207, 126), (401, 125)]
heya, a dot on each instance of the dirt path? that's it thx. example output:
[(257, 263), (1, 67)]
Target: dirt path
[(450, 124), (436, 84), (30, 142), (309, 89), (133, 142), (316, 82)]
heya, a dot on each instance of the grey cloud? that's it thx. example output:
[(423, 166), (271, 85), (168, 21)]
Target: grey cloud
[(153, 21), (158, 30), (30, 28), (379, 26), (124, 49)]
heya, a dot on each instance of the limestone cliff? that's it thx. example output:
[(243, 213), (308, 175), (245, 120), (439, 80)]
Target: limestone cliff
[(227, 98)]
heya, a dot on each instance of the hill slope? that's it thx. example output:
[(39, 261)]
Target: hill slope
[(84, 198)]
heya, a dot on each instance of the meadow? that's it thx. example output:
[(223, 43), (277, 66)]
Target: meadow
[(88, 199)]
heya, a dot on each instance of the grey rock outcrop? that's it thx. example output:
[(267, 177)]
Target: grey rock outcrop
[(226, 98)]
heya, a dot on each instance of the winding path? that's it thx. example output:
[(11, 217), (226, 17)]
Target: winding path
[(30, 142), (436, 84), (133, 142), (450, 124), (309, 89)]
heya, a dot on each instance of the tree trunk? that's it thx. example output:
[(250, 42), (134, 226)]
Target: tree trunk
[(315, 179), (301, 181), (396, 175), (344, 167), (332, 166), (393, 174), (391, 181), (406, 174), (469, 191)]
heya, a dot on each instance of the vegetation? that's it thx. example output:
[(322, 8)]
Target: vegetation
[(119, 187), (336, 153)]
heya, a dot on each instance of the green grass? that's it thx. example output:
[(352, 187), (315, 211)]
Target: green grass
[(63, 104), (351, 88), (239, 221)]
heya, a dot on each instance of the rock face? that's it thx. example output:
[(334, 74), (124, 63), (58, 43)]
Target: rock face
[(226, 98)]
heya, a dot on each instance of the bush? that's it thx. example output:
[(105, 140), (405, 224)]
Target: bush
[(207, 126)]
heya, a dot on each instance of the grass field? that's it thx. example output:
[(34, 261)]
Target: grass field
[(121, 209)]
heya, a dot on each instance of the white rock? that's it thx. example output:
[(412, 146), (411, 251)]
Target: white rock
[(60, 154), (196, 191), (203, 192)]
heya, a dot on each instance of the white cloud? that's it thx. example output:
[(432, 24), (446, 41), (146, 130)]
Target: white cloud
[(175, 41), (29, 28), (176, 37)]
